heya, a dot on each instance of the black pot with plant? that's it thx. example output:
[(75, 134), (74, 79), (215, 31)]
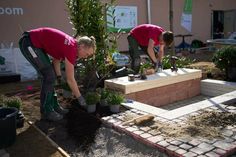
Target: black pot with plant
[(225, 59), (16, 102)]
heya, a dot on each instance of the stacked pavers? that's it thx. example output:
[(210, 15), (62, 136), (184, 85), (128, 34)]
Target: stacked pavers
[(188, 147)]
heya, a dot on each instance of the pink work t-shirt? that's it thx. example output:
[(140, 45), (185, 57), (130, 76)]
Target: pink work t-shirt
[(144, 32), (55, 43)]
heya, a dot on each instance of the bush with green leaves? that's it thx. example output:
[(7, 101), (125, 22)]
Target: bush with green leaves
[(225, 57), (92, 98), (180, 63), (115, 98), (89, 18), (13, 102)]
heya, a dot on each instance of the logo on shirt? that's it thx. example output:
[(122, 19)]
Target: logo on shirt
[(67, 41)]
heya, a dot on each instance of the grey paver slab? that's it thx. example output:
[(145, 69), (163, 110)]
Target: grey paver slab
[(212, 154), (155, 139), (206, 146), (195, 142), (172, 147), (176, 142), (180, 151), (223, 145), (185, 146), (198, 150), (189, 154)]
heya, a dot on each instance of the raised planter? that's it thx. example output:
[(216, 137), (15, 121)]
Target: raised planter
[(161, 88)]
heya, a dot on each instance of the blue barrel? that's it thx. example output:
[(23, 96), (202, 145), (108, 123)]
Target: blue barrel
[(7, 126)]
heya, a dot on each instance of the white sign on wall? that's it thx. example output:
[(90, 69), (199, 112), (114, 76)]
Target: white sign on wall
[(124, 18)]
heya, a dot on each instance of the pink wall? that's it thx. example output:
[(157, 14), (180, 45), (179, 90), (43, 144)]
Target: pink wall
[(41, 13)]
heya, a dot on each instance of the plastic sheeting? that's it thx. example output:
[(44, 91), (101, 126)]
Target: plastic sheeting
[(15, 62)]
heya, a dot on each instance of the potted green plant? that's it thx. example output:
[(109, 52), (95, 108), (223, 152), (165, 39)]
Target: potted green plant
[(92, 98), (225, 59), (114, 100), (104, 95), (15, 102)]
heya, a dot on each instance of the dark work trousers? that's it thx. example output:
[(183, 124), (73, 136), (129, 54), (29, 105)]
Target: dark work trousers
[(41, 62), (135, 50)]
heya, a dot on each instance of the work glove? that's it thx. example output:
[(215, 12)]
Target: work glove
[(158, 67), (82, 101)]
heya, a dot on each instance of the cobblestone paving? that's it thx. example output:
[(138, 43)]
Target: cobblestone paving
[(178, 146)]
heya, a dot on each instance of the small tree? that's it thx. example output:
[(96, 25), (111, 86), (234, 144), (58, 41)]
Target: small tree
[(89, 18)]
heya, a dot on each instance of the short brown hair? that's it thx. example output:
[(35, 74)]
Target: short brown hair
[(87, 41), (168, 37)]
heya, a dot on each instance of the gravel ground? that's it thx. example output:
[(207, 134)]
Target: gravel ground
[(110, 143)]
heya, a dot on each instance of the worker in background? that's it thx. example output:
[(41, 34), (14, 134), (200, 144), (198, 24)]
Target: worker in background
[(37, 46), (147, 37)]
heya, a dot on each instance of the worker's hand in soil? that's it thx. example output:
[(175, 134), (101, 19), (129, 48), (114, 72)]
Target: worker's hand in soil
[(82, 101)]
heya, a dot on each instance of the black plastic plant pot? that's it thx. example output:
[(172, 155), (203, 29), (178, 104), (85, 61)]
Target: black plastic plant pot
[(20, 119), (7, 126)]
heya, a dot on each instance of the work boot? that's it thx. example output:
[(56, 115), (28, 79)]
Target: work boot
[(61, 110), (52, 116)]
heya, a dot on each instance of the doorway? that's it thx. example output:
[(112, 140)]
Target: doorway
[(218, 25), (223, 23)]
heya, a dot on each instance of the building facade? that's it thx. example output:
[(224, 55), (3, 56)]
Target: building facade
[(17, 16)]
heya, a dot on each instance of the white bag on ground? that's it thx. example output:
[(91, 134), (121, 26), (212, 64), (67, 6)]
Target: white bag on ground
[(16, 63)]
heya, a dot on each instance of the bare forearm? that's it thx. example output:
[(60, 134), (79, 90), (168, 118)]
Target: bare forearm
[(160, 55), (152, 55), (74, 87), (57, 66)]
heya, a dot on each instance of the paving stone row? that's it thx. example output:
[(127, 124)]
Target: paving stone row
[(178, 146)]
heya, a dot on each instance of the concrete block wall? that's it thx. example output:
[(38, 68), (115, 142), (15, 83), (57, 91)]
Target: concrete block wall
[(213, 88)]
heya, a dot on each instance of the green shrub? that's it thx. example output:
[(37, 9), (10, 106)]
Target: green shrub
[(225, 57), (13, 102), (115, 98), (92, 98)]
